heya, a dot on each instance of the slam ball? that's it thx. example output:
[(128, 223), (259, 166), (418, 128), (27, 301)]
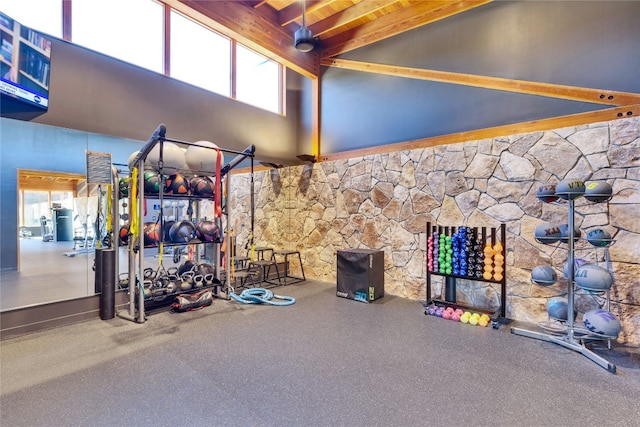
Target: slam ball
[(570, 189)]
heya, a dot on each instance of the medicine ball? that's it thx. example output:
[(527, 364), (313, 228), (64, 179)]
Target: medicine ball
[(124, 234), (544, 275), (176, 184), (598, 191), (564, 233), (208, 231), (202, 186), (570, 189), (203, 157), (592, 277), (123, 187), (547, 193), (152, 233), (166, 228), (602, 322), (577, 263), (151, 182), (599, 237), (182, 232), (558, 308), (547, 233)]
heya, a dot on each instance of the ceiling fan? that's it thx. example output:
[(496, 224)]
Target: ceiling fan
[(303, 39)]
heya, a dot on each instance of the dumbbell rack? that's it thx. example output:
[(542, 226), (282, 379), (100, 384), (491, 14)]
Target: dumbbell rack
[(568, 339), (486, 235)]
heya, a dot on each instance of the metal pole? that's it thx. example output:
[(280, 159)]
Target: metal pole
[(115, 220), (229, 236), (132, 258), (571, 261), (140, 318)]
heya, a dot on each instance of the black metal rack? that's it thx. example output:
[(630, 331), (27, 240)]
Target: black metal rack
[(486, 235), (139, 299)]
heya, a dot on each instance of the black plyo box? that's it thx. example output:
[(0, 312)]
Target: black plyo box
[(360, 274)]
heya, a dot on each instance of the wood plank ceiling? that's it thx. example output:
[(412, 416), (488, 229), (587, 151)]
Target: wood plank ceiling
[(338, 26)]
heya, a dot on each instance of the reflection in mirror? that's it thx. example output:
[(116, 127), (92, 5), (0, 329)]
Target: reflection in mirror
[(43, 169), (55, 239)]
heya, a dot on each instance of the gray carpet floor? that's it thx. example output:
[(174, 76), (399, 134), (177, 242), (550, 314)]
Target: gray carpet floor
[(324, 361)]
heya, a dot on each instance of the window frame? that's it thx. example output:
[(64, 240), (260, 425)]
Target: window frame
[(67, 30)]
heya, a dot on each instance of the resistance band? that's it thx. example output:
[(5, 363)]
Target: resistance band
[(133, 214), (218, 186)]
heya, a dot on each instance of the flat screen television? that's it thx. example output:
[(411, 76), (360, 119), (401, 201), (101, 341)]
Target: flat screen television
[(25, 62)]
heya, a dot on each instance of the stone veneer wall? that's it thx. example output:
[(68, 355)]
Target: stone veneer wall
[(384, 201)]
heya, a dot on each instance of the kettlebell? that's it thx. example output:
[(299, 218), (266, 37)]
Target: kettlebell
[(149, 273), (172, 283), (187, 281), (146, 288), (198, 280), (208, 278), (159, 286), (123, 280)]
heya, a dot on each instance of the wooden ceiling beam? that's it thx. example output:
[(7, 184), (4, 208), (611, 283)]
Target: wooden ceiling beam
[(574, 93), (347, 16), (252, 29), (293, 12), (418, 14)]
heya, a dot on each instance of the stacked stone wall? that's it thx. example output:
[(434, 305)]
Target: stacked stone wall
[(384, 201)]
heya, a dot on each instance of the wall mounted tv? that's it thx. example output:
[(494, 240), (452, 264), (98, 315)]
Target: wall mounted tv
[(25, 61)]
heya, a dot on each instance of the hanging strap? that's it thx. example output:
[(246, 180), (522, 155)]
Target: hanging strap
[(218, 186)]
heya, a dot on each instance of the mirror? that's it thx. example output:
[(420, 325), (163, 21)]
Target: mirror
[(43, 168)]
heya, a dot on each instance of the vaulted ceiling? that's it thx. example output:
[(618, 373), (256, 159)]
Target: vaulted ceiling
[(338, 26)]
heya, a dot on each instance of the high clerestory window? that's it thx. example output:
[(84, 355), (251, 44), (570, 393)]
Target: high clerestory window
[(134, 31)]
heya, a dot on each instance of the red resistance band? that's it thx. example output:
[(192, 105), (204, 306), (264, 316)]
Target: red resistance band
[(218, 186)]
